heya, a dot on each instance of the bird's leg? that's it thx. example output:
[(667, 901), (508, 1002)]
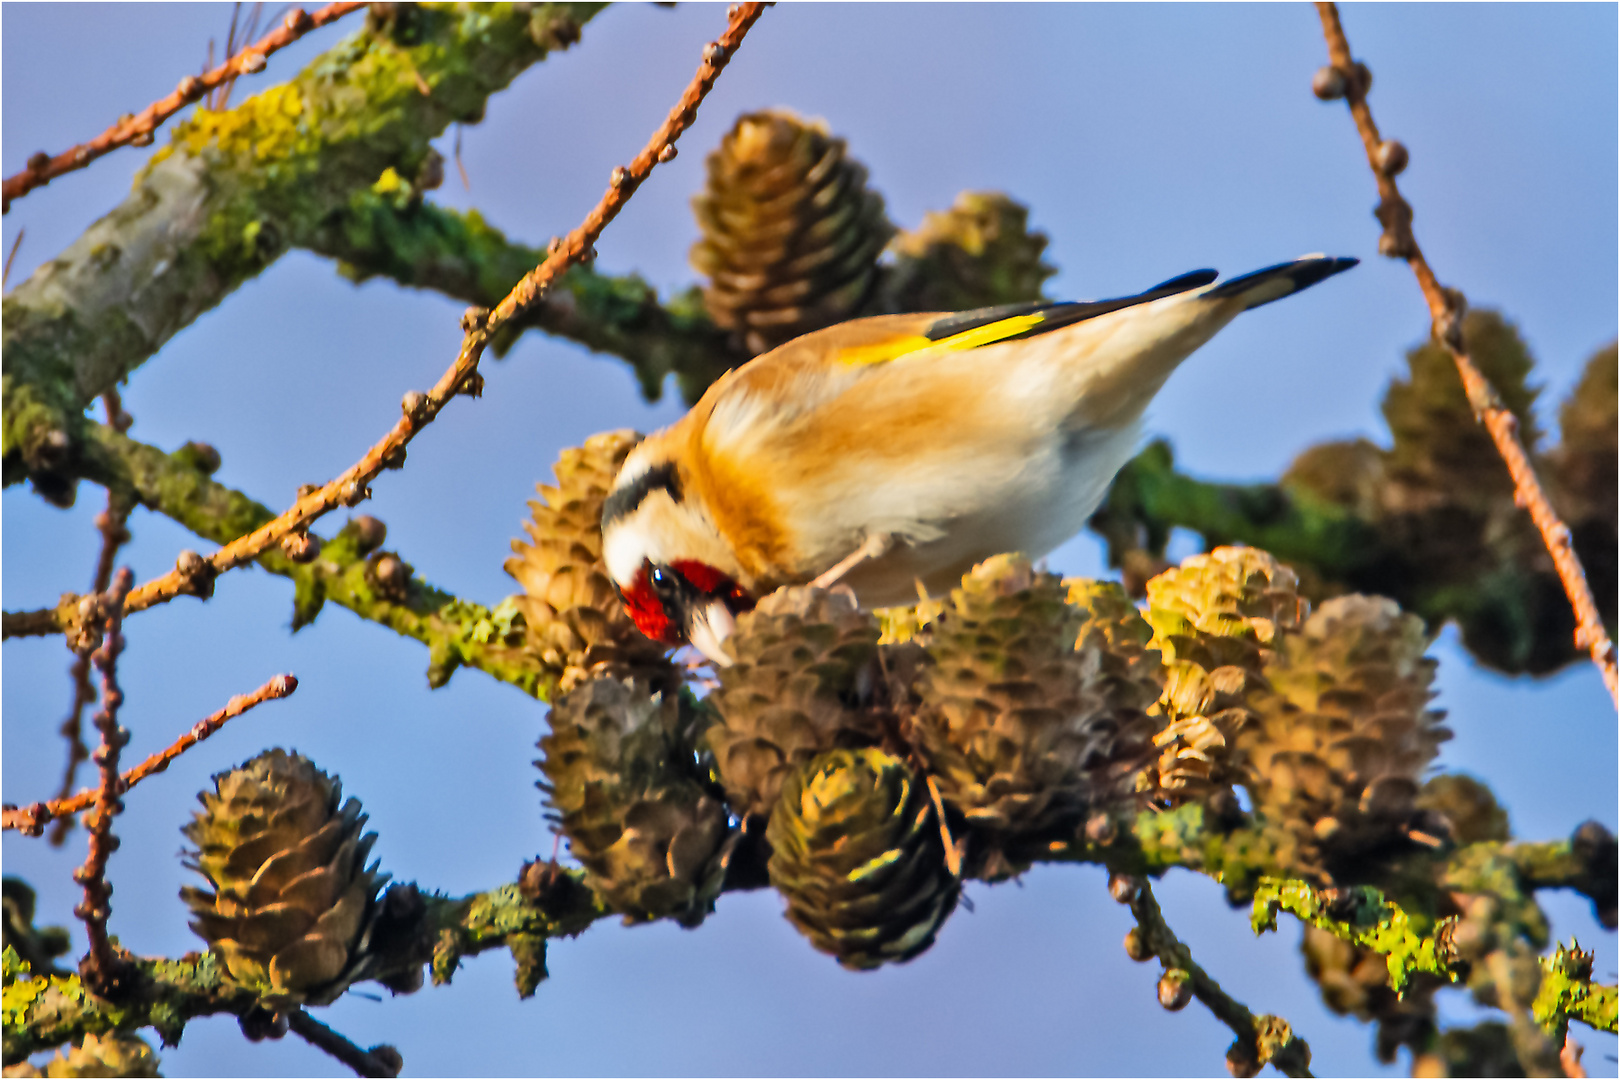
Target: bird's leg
[(875, 547)]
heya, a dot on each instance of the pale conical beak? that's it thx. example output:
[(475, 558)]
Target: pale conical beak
[(712, 624)]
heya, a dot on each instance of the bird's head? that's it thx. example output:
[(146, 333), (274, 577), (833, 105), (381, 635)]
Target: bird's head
[(678, 578)]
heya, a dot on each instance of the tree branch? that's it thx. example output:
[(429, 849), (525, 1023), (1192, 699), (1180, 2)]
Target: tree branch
[(455, 631), (103, 969), (388, 231), (1261, 1040), (31, 819), (350, 487), (363, 1062), (1446, 309), (42, 168), (232, 192)]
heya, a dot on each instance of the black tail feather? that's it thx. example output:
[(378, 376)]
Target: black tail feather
[(1300, 274)]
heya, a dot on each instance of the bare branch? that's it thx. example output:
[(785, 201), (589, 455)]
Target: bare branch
[(382, 1060), (102, 969), (350, 488), (1261, 1040), (1350, 79), (43, 168), (30, 819), (111, 523)]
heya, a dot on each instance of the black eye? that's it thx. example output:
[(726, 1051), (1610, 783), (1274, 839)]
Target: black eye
[(660, 580)]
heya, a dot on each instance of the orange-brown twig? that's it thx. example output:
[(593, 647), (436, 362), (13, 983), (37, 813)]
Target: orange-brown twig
[(110, 522), (31, 819), (43, 168), (195, 575), (1350, 79), (101, 968)]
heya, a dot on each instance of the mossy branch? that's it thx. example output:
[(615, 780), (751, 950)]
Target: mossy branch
[(549, 901), (1361, 916), (41, 1012), (388, 231), (1568, 993), (457, 632), (233, 191)]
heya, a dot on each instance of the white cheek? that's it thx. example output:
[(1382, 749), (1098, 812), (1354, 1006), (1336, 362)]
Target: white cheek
[(624, 551)]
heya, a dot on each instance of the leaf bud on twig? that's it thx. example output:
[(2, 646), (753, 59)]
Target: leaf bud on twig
[(260, 1023), (1175, 989), (1360, 78), (389, 574), (667, 154), (197, 572), (252, 63), (412, 403), (204, 456), (38, 161), (619, 176), (714, 54), (297, 20), (1101, 830), (190, 86), (354, 493), (1328, 83), (475, 317), (472, 386), (1124, 888), (395, 460), (1396, 217), (1241, 1060), (1391, 158), (369, 533), (1136, 946), (389, 1058), (300, 547)]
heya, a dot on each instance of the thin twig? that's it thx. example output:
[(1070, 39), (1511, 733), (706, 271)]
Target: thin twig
[(101, 968), (1260, 1040), (1445, 308), (30, 819), (378, 1061), (195, 575), (43, 168), (11, 257), (110, 522)]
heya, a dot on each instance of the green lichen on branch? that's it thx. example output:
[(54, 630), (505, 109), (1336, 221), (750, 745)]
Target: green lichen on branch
[(232, 191), (44, 1012), (388, 231), (346, 572), (1361, 916), (1568, 993)]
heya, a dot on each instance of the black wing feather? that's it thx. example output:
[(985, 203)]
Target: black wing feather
[(1063, 314)]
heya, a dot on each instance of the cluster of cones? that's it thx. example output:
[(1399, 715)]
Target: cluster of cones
[(884, 757)]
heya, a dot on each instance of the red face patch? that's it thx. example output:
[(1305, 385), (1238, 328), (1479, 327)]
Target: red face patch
[(652, 616), (647, 611)]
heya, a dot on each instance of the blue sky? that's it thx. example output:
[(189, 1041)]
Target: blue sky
[(1147, 139)]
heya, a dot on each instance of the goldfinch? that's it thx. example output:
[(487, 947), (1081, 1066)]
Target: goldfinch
[(897, 451)]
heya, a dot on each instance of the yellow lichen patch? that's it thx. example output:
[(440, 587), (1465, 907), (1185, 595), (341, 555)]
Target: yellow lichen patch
[(263, 128)]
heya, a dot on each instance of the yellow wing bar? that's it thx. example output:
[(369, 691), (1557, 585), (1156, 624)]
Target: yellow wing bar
[(918, 347)]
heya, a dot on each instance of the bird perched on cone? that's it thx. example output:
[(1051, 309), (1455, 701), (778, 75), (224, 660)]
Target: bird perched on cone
[(900, 450)]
